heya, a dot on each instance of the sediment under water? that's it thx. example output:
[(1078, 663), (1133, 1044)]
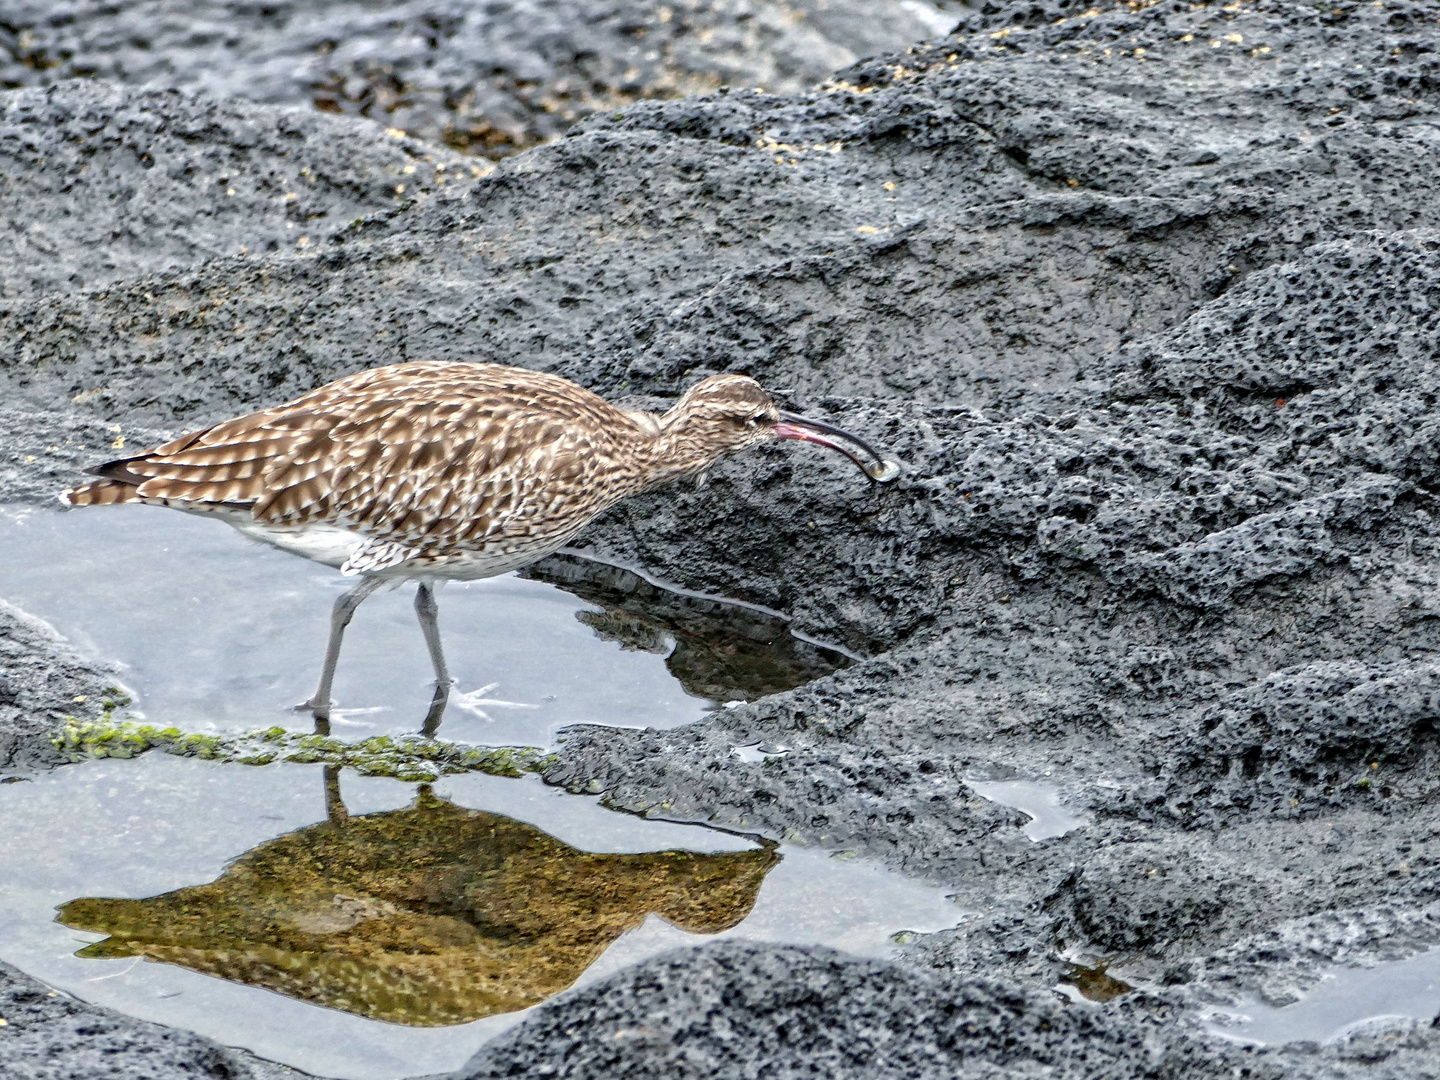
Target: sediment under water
[(372, 929)]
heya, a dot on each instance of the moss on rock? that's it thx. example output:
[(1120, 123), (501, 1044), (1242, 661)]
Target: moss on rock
[(411, 758)]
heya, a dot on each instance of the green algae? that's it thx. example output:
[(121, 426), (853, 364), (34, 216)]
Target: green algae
[(412, 758)]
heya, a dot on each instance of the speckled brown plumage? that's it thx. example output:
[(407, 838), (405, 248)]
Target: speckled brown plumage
[(441, 470), (435, 466)]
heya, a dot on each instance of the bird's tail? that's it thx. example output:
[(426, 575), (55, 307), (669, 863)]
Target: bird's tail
[(100, 493), (117, 484)]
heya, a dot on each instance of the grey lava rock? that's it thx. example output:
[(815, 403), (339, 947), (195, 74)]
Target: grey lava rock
[(131, 183), (738, 1010), (1147, 299), (52, 1036), (487, 78), (42, 682)]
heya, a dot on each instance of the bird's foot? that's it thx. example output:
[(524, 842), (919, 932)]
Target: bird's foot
[(438, 703), (320, 711)]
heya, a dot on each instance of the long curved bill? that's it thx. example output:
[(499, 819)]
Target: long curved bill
[(871, 462)]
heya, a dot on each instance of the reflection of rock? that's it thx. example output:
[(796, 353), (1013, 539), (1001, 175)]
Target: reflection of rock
[(721, 652), (425, 916), (633, 632)]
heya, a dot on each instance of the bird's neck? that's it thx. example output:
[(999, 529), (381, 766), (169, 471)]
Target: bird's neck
[(664, 450)]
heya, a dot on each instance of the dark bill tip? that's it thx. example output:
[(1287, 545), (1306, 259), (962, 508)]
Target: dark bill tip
[(879, 468)]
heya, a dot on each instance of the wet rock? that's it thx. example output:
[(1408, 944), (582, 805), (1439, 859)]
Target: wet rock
[(137, 182), (739, 1010), (772, 245), (1326, 734), (42, 681), (48, 1035), (46, 450), (1131, 898)]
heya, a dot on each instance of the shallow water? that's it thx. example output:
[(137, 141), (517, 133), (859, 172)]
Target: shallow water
[(1041, 802), (388, 911), (1347, 1001), (217, 632)]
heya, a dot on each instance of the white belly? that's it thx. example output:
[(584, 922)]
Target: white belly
[(331, 545), (325, 544)]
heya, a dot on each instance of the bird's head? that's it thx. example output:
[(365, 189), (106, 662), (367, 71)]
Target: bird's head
[(725, 413)]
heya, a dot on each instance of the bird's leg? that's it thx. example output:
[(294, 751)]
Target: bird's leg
[(427, 609), (340, 616)]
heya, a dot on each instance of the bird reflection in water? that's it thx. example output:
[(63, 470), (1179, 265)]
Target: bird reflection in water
[(426, 916)]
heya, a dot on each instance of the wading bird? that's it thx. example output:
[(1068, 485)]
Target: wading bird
[(427, 470)]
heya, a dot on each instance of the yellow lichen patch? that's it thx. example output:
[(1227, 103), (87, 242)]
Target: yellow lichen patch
[(868, 230), (781, 150)]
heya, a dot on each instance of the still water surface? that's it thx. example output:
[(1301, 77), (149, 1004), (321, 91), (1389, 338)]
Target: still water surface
[(390, 931), (364, 927), (216, 632)]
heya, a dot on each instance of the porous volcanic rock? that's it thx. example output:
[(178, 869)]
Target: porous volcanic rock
[(42, 682), (488, 78), (1146, 298), (736, 1009), (52, 1036)]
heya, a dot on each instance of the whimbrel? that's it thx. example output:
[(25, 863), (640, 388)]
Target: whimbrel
[(428, 470)]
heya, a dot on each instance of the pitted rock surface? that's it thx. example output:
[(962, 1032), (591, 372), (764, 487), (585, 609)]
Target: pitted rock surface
[(735, 1009), (42, 682), (1146, 298), (52, 1036), (488, 78)]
